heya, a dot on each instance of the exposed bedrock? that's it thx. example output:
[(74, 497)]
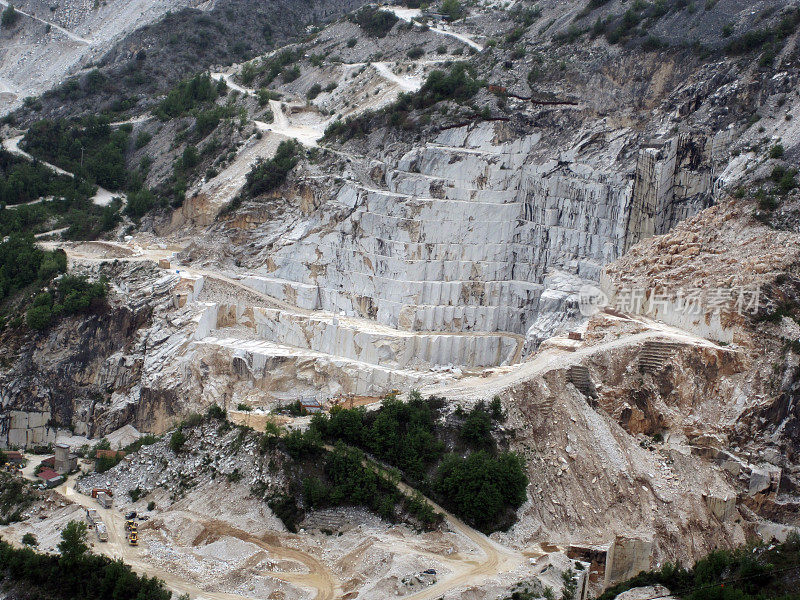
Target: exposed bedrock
[(464, 233)]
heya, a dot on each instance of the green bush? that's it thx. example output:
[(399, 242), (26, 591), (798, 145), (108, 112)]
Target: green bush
[(217, 412), (10, 16), (481, 487), (375, 22), (76, 573), (754, 39), (139, 203), (22, 262), (452, 10), (747, 573), (90, 149), (477, 428), (290, 74), (285, 508), (267, 175), (177, 440), (39, 317), (314, 91), (458, 85), (188, 95), (301, 444), (142, 140)]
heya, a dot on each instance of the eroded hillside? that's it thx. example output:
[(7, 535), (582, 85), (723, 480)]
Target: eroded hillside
[(581, 215)]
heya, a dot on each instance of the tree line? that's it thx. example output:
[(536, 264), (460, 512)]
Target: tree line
[(76, 574)]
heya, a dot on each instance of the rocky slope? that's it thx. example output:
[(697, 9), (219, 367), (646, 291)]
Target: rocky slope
[(138, 49), (447, 240)]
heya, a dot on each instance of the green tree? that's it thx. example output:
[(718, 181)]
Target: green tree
[(29, 539), (452, 10), (177, 440), (10, 16), (139, 203), (73, 541), (39, 317), (477, 428)]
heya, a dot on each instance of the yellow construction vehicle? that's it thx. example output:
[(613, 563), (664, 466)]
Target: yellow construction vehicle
[(133, 539), (130, 524)]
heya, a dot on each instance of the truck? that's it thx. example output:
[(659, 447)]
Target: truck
[(92, 516), (104, 500), (102, 532)]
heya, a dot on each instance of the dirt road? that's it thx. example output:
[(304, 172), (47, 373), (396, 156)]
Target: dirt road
[(498, 559), (118, 547), (102, 196), (73, 36), (478, 388)]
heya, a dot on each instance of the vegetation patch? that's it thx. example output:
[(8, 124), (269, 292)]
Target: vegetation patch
[(76, 573), (267, 175), (374, 22), (72, 295), (22, 263), (90, 149), (16, 494), (459, 85), (458, 463), (756, 39), (748, 573), (188, 95)]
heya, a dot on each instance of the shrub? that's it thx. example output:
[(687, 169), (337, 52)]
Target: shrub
[(415, 53), (186, 96), (39, 317), (480, 487), (267, 175), (142, 140), (76, 573), (776, 151), (314, 91), (452, 10), (151, 505), (351, 42), (291, 74), (10, 17), (375, 22), (177, 440), (139, 203), (285, 508), (29, 539), (458, 85), (477, 428)]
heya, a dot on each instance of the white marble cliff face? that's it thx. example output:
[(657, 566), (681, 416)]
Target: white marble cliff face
[(464, 231)]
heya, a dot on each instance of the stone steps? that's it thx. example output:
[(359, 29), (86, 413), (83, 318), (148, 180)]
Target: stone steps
[(366, 341), (463, 306), (286, 371), (654, 355), (580, 377)]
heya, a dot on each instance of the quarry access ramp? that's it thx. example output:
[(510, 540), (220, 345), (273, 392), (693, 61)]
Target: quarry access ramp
[(483, 387)]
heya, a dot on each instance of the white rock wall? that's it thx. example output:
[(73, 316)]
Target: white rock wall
[(466, 231)]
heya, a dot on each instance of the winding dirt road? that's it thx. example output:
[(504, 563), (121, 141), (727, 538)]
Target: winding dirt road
[(102, 196)]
